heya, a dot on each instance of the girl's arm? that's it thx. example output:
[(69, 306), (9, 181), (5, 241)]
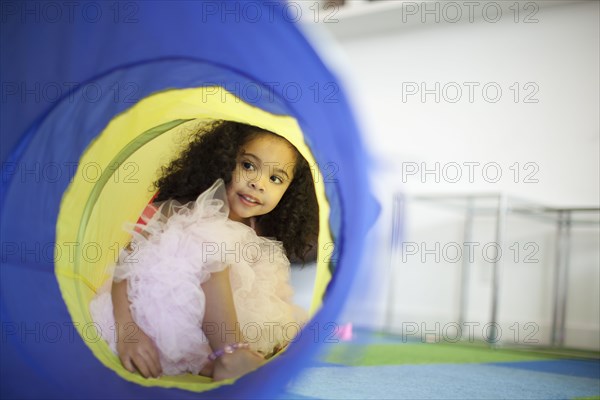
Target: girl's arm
[(221, 328), (136, 350)]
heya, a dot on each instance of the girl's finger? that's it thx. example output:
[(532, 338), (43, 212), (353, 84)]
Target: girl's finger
[(153, 367), (126, 361), (140, 364), (156, 360)]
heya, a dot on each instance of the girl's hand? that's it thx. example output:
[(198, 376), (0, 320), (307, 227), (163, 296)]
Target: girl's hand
[(236, 364), (138, 352)]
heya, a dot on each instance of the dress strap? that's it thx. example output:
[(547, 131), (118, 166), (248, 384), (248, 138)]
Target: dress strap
[(147, 214)]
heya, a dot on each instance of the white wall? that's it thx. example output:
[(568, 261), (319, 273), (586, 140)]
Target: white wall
[(553, 135)]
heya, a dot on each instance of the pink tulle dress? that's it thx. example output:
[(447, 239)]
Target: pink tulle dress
[(181, 247)]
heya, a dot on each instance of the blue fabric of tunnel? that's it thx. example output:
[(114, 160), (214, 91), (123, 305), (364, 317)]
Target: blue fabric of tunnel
[(154, 46)]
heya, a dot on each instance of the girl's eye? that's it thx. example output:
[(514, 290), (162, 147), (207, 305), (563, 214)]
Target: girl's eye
[(247, 165), (276, 179)]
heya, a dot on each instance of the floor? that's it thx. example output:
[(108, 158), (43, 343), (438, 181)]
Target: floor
[(380, 366)]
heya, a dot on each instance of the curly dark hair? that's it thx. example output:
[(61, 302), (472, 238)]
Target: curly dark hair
[(212, 154)]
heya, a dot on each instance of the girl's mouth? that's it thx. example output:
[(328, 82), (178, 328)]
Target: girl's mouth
[(248, 200)]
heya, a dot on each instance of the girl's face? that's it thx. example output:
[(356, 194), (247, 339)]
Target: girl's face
[(263, 172)]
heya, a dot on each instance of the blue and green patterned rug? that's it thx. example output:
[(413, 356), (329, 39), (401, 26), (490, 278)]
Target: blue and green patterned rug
[(379, 366)]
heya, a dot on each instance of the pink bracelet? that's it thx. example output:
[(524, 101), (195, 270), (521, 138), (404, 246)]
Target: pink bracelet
[(228, 349)]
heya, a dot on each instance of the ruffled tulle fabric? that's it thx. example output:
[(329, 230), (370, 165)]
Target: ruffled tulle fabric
[(173, 254)]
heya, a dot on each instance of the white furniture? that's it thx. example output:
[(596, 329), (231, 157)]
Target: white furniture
[(500, 206)]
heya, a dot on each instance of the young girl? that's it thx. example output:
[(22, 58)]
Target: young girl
[(204, 288)]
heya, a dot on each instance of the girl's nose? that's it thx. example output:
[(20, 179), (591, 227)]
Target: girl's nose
[(257, 185)]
